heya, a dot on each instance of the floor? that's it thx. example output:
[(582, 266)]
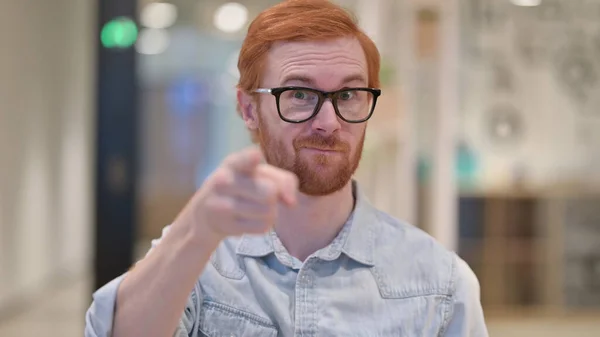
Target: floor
[(59, 315), (62, 315)]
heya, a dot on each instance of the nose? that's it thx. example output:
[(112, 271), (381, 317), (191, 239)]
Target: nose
[(326, 121)]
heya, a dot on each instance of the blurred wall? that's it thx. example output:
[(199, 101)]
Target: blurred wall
[(46, 134), (534, 73)]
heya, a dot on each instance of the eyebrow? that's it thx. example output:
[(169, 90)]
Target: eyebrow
[(310, 81)]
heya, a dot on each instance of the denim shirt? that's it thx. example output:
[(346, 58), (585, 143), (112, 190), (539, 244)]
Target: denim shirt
[(379, 277)]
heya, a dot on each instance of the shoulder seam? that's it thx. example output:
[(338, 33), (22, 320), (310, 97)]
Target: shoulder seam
[(451, 293)]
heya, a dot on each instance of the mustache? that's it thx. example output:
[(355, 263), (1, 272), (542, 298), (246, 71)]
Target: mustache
[(317, 141)]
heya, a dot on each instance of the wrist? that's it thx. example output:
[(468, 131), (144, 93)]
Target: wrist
[(196, 236)]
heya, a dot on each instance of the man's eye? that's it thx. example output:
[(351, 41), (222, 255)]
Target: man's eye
[(346, 95), (300, 95)]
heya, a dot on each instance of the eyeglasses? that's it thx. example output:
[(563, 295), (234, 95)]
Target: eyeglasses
[(299, 104)]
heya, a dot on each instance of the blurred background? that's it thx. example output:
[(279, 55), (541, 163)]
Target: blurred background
[(112, 112)]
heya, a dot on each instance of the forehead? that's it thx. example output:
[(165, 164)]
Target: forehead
[(323, 64)]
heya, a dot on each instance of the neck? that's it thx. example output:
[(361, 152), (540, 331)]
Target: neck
[(314, 222)]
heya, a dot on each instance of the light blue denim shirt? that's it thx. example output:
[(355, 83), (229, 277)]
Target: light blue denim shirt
[(379, 277)]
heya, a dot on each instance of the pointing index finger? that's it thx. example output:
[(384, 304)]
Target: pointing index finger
[(245, 161)]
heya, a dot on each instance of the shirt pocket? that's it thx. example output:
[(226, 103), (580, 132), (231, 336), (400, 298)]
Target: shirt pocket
[(219, 320)]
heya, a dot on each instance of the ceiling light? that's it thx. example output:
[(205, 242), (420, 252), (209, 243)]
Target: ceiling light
[(527, 3), (231, 17), (158, 15)]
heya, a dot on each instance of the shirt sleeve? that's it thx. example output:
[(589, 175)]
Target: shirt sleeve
[(100, 315), (467, 319), (99, 318)]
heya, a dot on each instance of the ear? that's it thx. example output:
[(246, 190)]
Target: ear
[(248, 109)]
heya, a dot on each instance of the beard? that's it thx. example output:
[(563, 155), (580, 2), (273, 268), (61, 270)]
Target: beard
[(318, 173)]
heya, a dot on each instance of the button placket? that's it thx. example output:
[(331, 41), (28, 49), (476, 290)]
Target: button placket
[(305, 301)]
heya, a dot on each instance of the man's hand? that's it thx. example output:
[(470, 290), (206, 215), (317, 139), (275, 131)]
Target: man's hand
[(240, 197)]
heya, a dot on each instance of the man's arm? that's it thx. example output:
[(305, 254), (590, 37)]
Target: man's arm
[(148, 302), (240, 197), (467, 319)]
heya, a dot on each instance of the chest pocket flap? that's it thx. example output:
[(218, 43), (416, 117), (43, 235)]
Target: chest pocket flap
[(219, 320)]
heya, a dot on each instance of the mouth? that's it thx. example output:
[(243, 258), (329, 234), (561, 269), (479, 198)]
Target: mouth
[(320, 150)]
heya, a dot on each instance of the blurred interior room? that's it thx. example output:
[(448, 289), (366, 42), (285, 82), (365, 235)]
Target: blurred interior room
[(487, 136)]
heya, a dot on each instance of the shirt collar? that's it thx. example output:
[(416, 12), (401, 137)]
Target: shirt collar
[(255, 245), (356, 239), (360, 243)]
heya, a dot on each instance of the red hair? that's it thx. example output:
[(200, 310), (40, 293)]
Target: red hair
[(299, 20)]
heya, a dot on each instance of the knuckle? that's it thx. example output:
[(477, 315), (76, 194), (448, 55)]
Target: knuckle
[(220, 205), (223, 178), (268, 190), (292, 178), (287, 176), (231, 158)]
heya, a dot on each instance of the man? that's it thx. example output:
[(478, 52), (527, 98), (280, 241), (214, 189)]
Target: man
[(291, 247)]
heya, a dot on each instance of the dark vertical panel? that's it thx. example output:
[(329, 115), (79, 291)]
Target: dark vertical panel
[(117, 113)]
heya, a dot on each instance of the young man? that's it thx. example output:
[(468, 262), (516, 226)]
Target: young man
[(289, 246)]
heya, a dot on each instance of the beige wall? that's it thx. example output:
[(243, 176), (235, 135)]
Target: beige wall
[(46, 135)]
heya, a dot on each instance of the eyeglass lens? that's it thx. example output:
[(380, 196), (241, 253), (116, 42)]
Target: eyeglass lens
[(298, 104)]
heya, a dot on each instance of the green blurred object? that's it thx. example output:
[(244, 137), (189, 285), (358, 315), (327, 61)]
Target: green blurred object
[(423, 169), (120, 32), (386, 73), (467, 166)]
